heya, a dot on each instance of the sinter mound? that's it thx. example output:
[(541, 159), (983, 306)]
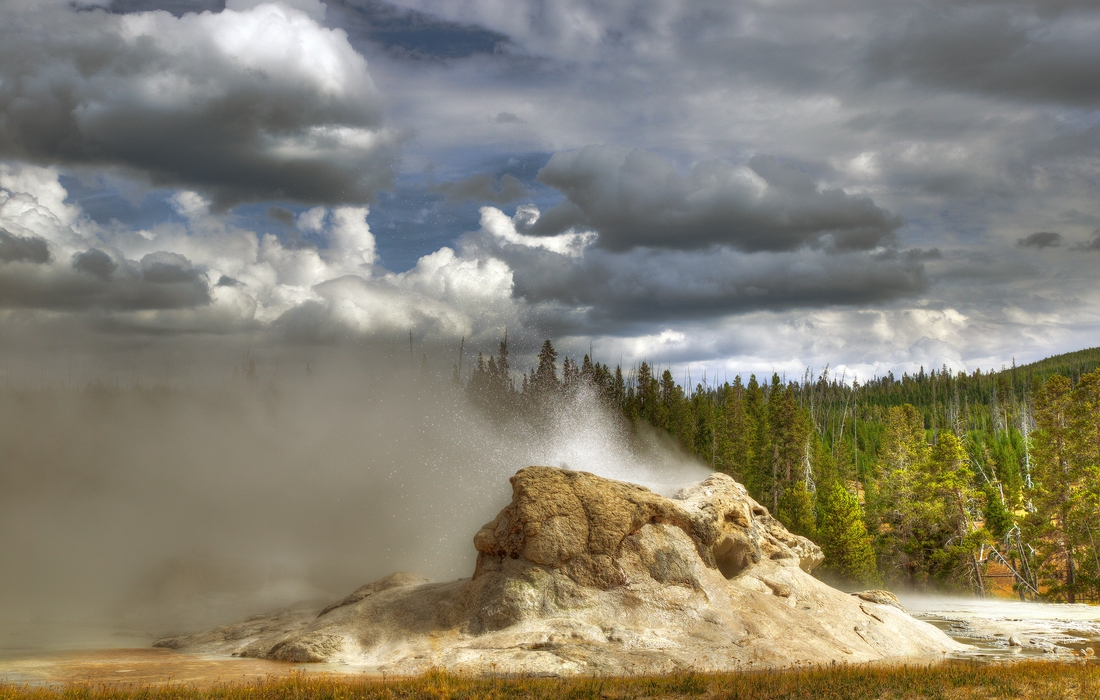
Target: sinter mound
[(581, 574)]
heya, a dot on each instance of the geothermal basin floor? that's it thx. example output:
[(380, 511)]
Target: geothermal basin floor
[(141, 667), (1046, 632)]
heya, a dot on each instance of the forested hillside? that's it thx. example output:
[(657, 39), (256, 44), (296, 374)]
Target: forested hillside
[(940, 480)]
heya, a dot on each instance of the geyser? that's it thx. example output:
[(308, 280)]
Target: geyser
[(150, 510), (582, 574)]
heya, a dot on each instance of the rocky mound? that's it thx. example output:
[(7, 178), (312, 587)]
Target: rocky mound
[(581, 574)]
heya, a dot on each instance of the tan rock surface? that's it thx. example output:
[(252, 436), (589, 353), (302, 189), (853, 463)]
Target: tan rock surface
[(580, 574)]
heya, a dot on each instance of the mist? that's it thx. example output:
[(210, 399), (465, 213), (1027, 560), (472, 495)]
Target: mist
[(146, 505)]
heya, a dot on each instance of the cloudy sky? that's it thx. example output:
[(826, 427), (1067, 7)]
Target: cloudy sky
[(740, 186)]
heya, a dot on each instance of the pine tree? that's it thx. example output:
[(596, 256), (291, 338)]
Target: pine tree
[(618, 388), (913, 519), (951, 481), (735, 434), (546, 375), (998, 518), (677, 411), (478, 387), (790, 432), (504, 368), (903, 444), (844, 539), (1056, 476), (758, 474), (568, 374), (705, 438), (796, 510), (1086, 417), (644, 394)]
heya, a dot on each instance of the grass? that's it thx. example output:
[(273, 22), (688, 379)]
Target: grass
[(949, 681)]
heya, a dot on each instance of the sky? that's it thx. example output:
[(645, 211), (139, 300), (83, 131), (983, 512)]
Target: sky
[(728, 186)]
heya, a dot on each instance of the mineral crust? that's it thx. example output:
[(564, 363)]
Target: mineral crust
[(581, 574)]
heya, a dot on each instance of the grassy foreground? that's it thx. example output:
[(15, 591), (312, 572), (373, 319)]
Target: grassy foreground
[(951, 681)]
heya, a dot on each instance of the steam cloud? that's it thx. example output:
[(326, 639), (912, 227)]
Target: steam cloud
[(164, 511)]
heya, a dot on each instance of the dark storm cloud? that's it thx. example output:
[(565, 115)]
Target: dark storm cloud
[(482, 188), (958, 157), (176, 7), (786, 56), (17, 248), (168, 268), (95, 262), (1040, 240), (671, 289), (408, 34), (980, 268), (1092, 244), (1006, 49), (222, 103), (96, 281), (638, 198), (602, 290), (930, 254)]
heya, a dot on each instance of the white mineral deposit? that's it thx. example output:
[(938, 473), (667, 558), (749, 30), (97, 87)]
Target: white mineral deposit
[(580, 574)]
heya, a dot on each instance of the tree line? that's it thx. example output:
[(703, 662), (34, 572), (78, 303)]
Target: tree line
[(937, 480)]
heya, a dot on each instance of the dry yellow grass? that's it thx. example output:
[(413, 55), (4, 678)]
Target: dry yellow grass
[(950, 681)]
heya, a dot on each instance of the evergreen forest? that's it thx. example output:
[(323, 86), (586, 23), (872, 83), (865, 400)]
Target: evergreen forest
[(986, 483)]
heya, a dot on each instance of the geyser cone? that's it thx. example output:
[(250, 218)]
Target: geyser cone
[(581, 574)]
